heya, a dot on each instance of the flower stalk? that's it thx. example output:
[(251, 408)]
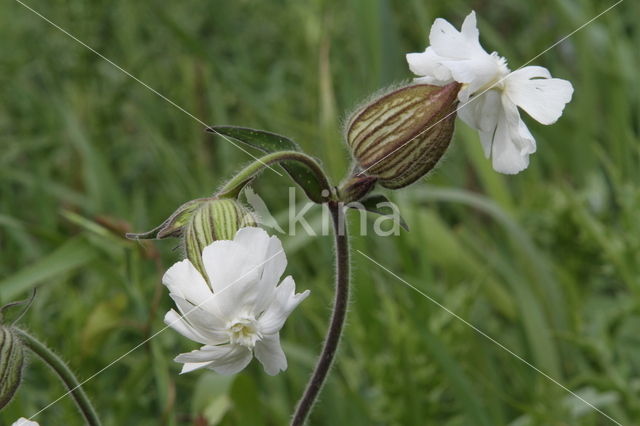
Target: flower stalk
[(235, 185), (336, 326), (64, 373)]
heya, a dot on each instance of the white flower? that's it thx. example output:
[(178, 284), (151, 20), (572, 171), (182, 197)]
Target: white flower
[(24, 422), (491, 94), (241, 314)]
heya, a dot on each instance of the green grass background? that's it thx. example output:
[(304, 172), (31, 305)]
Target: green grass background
[(546, 262)]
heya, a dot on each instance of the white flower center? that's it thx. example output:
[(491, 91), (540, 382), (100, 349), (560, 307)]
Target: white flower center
[(244, 331)]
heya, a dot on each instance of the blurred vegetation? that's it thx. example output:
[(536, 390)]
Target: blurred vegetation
[(546, 262)]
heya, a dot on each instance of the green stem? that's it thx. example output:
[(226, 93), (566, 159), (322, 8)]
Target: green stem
[(65, 374), (337, 319), (249, 172)]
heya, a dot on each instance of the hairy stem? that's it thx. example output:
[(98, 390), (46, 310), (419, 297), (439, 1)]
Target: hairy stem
[(337, 319), (260, 164), (65, 374)]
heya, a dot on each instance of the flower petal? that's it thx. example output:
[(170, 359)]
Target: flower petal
[(207, 353), (270, 354), (451, 43), (512, 142), (276, 263), (188, 367), (244, 272), (254, 239), (486, 140), (24, 422), (234, 362), (542, 97), (226, 359), (283, 303), (211, 326), (184, 280), (233, 271), (482, 113), (229, 263), (469, 28), (179, 324), (427, 64)]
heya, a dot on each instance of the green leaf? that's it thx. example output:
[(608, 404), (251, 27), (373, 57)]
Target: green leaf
[(260, 139), (379, 204), (71, 255), (269, 142)]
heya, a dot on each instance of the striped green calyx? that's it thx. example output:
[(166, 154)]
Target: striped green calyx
[(199, 223), (11, 362), (214, 219), (399, 137)]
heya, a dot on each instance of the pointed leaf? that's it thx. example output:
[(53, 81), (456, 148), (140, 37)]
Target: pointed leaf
[(260, 139)]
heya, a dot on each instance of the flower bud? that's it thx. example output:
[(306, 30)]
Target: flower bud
[(11, 361), (199, 223), (216, 219), (399, 137)]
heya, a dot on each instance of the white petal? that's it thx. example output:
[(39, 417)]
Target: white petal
[(233, 271), (506, 157), (283, 303), (481, 112), (449, 42), (486, 140), (270, 354), (184, 280), (276, 263), (422, 63), (192, 366), (226, 359), (512, 142), (542, 97), (228, 262), (24, 422), (229, 359), (527, 73), (234, 362), (175, 321), (469, 28), (462, 71), (253, 239), (206, 353), (427, 80), (211, 326), (244, 272), (427, 64)]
